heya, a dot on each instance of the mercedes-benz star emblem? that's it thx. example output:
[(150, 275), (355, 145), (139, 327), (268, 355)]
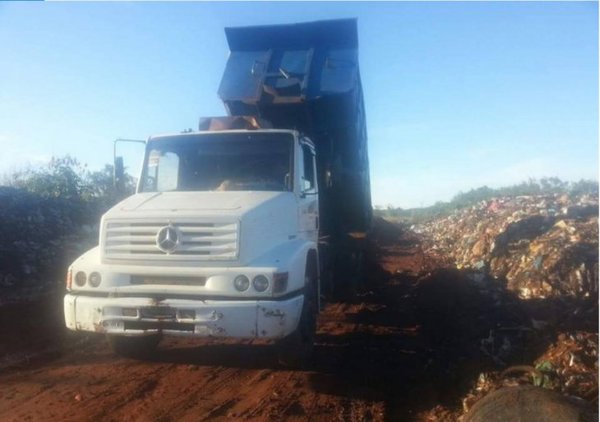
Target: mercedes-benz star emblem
[(167, 239)]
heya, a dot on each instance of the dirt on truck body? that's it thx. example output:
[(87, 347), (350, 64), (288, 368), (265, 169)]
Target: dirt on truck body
[(421, 341)]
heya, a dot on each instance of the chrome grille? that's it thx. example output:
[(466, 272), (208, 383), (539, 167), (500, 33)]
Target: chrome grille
[(137, 240)]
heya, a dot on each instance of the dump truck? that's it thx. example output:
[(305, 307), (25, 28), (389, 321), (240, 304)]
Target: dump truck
[(239, 229)]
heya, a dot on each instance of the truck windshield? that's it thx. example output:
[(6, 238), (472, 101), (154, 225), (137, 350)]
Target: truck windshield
[(219, 162)]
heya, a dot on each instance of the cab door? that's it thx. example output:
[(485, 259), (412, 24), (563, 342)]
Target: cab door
[(308, 193)]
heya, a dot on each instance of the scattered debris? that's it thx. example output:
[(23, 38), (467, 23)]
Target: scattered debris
[(529, 403), (570, 365), (534, 258), (542, 246)]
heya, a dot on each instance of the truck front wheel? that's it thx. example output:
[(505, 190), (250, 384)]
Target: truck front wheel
[(296, 349), (133, 347)]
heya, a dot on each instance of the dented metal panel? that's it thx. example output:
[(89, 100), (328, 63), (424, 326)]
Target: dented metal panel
[(144, 316), (278, 319)]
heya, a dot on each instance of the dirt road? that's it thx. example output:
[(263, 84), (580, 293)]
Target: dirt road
[(408, 343)]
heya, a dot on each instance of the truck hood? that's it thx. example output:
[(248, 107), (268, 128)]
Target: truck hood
[(267, 219), (236, 202)]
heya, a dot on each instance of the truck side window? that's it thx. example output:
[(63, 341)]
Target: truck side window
[(308, 180)]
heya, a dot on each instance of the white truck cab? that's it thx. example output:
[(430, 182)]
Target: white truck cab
[(220, 240), (236, 229)]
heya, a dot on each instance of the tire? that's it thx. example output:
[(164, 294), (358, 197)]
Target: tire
[(295, 350), (133, 347), (528, 403)]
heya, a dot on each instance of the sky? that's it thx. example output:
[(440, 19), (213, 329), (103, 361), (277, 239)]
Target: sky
[(457, 94)]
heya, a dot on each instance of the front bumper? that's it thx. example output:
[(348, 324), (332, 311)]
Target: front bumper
[(138, 316)]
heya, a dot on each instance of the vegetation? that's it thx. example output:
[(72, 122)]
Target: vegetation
[(544, 186), (49, 216), (66, 179)]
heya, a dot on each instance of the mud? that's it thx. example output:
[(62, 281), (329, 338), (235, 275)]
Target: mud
[(410, 346)]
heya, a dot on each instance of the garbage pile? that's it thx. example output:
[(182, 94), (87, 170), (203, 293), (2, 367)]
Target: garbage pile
[(541, 246), (536, 260), (569, 366)]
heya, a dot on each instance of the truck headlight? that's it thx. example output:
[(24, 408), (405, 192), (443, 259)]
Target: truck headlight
[(260, 283), (241, 283), (80, 278), (95, 279)]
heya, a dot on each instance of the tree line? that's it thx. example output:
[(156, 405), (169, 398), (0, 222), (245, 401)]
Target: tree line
[(543, 186)]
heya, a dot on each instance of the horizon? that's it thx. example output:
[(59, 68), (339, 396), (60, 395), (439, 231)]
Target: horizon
[(457, 95)]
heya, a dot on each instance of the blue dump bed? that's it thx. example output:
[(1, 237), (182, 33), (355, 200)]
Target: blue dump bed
[(306, 77)]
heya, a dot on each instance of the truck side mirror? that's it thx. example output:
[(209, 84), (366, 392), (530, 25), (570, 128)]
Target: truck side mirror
[(307, 189), (119, 175), (328, 179), (287, 181), (119, 168), (306, 185)]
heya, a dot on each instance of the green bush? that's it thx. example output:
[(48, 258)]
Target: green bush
[(49, 216)]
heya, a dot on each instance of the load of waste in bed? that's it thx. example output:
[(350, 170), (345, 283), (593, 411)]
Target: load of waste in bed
[(536, 258)]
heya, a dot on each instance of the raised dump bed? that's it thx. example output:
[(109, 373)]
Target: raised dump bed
[(306, 77)]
